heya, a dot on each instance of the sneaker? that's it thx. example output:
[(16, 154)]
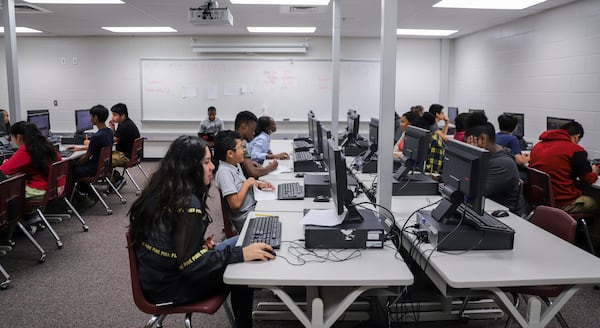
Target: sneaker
[(120, 184)]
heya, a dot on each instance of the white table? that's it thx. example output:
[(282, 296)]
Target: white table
[(329, 291), (538, 258)]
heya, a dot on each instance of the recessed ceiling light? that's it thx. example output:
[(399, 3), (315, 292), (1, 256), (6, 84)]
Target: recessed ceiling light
[(281, 2), (76, 2), (424, 32), (487, 4), (140, 29), (280, 29), (23, 30)]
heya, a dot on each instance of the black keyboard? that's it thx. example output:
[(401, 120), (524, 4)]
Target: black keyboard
[(486, 221), (263, 229), (66, 153), (290, 190), (303, 156), (6, 152)]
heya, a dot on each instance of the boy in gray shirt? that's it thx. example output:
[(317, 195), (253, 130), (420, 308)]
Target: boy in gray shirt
[(237, 191)]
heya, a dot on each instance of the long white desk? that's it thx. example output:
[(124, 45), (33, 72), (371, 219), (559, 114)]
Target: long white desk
[(538, 258), (331, 286)]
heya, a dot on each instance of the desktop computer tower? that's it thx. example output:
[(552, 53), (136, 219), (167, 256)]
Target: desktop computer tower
[(368, 233), (414, 185), (449, 237)]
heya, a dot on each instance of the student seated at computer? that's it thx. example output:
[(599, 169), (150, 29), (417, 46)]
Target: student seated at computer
[(171, 216), (260, 146), (507, 124), (502, 184), (212, 124), (405, 121), (34, 157), (437, 111), (88, 163), (4, 113), (245, 125), (237, 191), (559, 154), (460, 122), (435, 158)]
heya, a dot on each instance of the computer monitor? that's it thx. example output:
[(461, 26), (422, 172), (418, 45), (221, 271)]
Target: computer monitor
[(553, 123), (416, 149), (374, 131), (325, 136), (317, 141), (353, 124), (311, 130), (41, 119), (83, 121), (472, 110), (520, 129), (342, 197), (464, 176), (452, 113)]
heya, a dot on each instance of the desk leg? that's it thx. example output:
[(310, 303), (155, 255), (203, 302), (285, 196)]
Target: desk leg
[(535, 317), (324, 309)]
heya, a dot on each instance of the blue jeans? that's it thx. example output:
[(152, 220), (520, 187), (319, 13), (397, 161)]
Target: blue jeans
[(227, 242)]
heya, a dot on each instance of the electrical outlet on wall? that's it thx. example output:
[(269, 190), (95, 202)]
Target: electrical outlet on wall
[(75, 61), (55, 102)]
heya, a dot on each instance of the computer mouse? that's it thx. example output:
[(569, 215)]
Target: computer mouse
[(321, 199), (500, 213), (272, 252)]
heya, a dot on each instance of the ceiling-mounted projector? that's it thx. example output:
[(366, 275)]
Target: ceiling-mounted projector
[(210, 14)]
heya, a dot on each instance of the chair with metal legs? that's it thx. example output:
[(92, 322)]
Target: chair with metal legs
[(135, 159), (103, 173), (160, 311)]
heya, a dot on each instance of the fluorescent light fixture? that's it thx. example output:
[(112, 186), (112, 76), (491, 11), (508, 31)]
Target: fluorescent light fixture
[(280, 29), (281, 2), (140, 29), (249, 47), (76, 2), (424, 32), (488, 4), (23, 30)]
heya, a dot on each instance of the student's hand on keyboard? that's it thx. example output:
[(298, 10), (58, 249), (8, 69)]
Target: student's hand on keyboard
[(282, 156), (258, 251)]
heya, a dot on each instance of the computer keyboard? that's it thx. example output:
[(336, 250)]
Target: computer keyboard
[(6, 152), (263, 229), (290, 190), (300, 156), (66, 153), (486, 221)]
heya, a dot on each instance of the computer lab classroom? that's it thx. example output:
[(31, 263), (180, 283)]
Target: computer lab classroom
[(354, 62)]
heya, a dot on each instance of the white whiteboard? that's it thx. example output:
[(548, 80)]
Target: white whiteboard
[(182, 89)]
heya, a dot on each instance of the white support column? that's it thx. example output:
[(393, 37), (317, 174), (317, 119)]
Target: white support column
[(445, 72), (12, 69), (387, 100), (335, 71)]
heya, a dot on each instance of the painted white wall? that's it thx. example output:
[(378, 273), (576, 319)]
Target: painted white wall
[(106, 70), (543, 65)]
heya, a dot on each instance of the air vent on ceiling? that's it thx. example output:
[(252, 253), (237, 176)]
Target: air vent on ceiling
[(25, 8), (302, 9)]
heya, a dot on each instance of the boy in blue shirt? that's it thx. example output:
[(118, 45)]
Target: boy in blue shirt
[(507, 124)]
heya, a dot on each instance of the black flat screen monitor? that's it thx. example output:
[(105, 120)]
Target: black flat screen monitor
[(41, 119), (338, 184), (519, 131), (325, 136), (374, 131), (465, 174), (452, 113), (472, 110), (415, 151), (553, 123), (83, 121), (311, 131), (353, 124), (317, 143)]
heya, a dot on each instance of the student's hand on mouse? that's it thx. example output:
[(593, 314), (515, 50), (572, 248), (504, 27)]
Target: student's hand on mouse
[(209, 242), (263, 185), (256, 251)]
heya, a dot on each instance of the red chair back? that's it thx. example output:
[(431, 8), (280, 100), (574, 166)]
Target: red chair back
[(56, 187), (555, 221), (12, 194), (137, 153), (228, 228), (539, 188), (104, 169)]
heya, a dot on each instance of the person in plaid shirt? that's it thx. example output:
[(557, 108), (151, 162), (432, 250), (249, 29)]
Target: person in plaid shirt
[(437, 147)]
